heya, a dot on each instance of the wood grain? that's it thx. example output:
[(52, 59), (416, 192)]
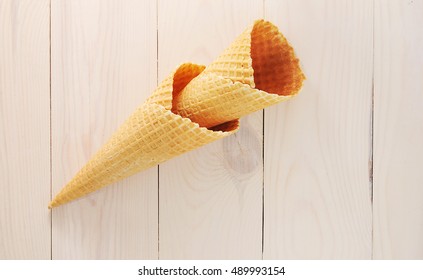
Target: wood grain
[(211, 198), (327, 154), (398, 130), (317, 146), (103, 67), (24, 130)]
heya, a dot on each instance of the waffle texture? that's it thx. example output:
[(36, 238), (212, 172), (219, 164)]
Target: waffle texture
[(259, 69), (193, 106)]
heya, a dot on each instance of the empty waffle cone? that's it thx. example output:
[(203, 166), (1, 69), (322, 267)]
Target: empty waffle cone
[(259, 69), (194, 106)]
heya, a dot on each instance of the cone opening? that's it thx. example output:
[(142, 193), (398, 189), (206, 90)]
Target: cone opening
[(227, 126), (183, 75), (276, 68)]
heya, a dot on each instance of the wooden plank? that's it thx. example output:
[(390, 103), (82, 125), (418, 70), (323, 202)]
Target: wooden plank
[(24, 129), (398, 130), (317, 146), (211, 198), (103, 67)]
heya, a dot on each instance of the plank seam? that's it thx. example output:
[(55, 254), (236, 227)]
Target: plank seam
[(371, 172), (262, 195), (158, 166), (262, 153), (51, 142)]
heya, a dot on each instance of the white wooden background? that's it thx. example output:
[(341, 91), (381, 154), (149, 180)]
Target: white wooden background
[(336, 173)]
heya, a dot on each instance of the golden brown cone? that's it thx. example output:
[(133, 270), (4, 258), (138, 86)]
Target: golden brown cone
[(195, 106), (260, 61), (152, 134)]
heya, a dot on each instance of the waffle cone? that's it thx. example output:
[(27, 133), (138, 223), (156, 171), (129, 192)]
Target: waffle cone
[(194, 106), (258, 69)]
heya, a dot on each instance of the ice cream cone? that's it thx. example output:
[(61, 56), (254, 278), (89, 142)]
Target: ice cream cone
[(195, 106), (151, 135), (259, 69)]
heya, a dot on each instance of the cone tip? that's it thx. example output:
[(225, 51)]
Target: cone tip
[(52, 204)]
